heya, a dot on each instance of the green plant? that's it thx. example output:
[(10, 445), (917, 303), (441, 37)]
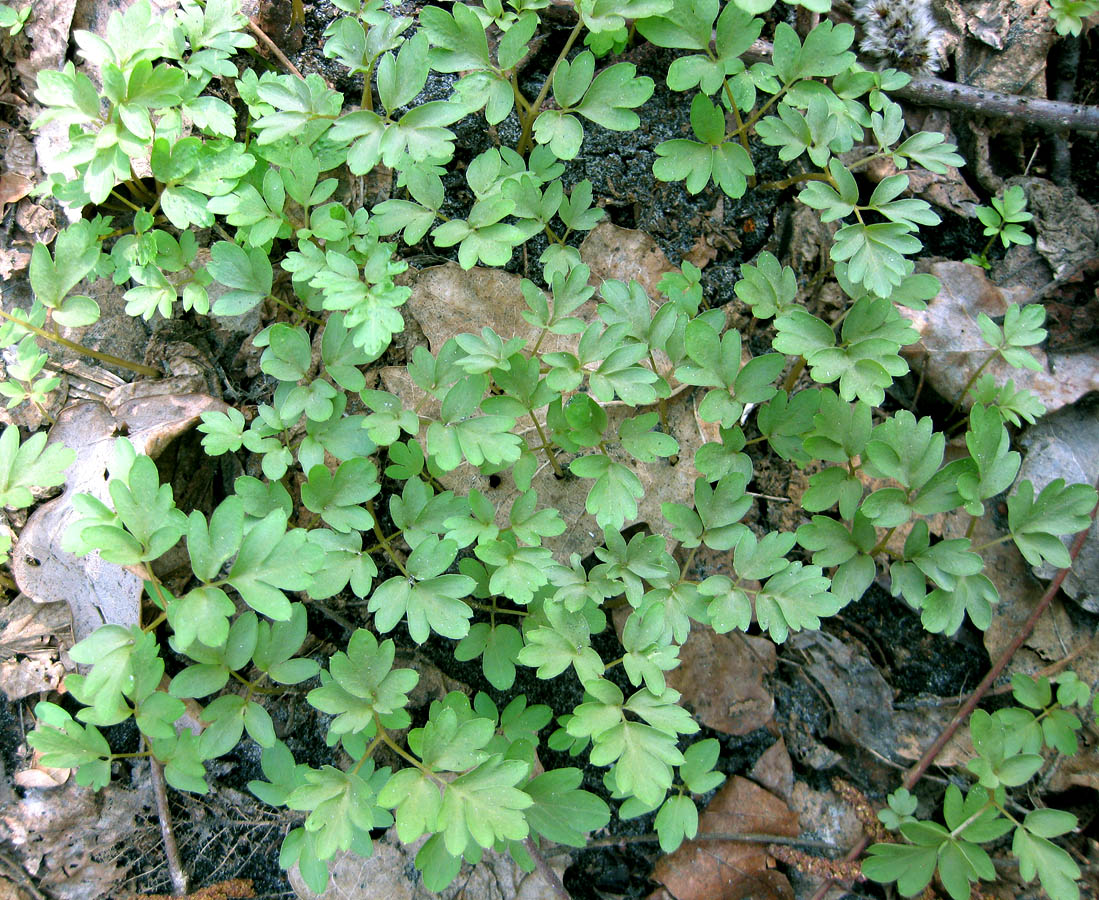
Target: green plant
[(1003, 220), (1008, 745), (1069, 15), (457, 566), (13, 19)]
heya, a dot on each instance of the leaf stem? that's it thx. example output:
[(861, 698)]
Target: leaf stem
[(108, 358), (384, 541), (972, 380), (535, 108), (402, 753), (550, 455)]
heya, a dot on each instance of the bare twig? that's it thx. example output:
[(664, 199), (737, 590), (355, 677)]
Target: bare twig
[(546, 871), (274, 48), (171, 851), (925, 91), (732, 837), (917, 771)]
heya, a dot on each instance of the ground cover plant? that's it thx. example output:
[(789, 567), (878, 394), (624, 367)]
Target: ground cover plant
[(581, 400)]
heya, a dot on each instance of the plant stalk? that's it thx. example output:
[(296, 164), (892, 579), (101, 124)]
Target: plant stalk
[(108, 358)]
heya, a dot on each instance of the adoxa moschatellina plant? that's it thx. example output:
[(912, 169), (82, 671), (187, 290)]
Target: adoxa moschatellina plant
[(263, 176)]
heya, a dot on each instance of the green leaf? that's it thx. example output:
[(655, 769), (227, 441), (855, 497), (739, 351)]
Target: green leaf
[(434, 604), (485, 805), (613, 498), (642, 442), (565, 641), (247, 272), (697, 770), (875, 254), (911, 866), (30, 464), (794, 599), (1056, 870), (337, 498), (362, 684), (677, 819), (1037, 523), (272, 560), (561, 812), (75, 254)]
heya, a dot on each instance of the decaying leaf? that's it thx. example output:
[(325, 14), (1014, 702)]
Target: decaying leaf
[(389, 874), (30, 675), (950, 348), (97, 592), (69, 837), (722, 870), (721, 679), (863, 703), (29, 627), (624, 253)]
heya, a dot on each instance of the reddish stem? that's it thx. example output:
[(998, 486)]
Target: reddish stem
[(962, 715)]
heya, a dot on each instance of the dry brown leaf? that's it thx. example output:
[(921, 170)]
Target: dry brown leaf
[(721, 679), (950, 348), (775, 770), (69, 837), (723, 870), (14, 187), (30, 675), (96, 591), (42, 777), (624, 254), (448, 300)]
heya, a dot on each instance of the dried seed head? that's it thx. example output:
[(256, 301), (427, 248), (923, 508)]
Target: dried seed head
[(902, 34)]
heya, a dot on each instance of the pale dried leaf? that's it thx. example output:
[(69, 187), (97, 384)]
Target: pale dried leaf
[(624, 254), (30, 675), (26, 626), (950, 348), (42, 777), (389, 874), (69, 837)]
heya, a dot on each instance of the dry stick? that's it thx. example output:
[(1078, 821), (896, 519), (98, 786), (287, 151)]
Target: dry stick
[(732, 837), (1051, 114), (171, 851), (546, 871), (273, 47), (917, 771)]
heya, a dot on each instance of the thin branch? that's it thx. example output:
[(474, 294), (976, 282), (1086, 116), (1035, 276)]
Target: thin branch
[(925, 91), (549, 876), (963, 713), (171, 851), (108, 358), (728, 836), (274, 48)]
